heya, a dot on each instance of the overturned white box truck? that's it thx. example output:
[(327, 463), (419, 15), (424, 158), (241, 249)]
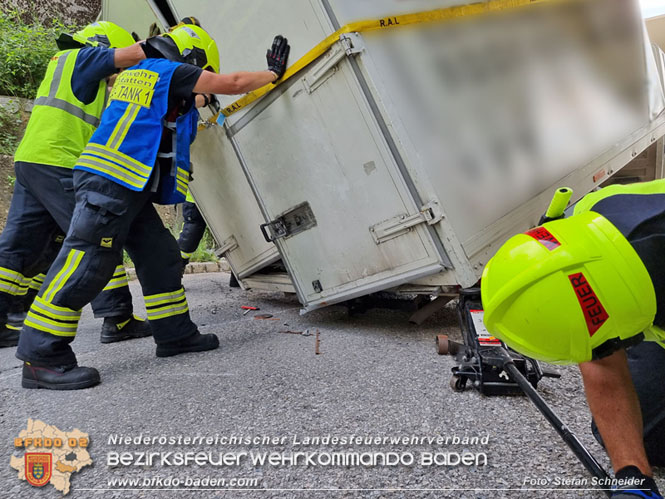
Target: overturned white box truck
[(411, 137)]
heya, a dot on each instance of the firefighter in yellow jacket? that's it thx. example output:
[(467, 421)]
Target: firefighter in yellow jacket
[(67, 110)]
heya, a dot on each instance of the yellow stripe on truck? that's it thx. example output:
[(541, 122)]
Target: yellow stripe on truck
[(392, 22)]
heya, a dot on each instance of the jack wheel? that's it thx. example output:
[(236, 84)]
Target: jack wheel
[(458, 383), (446, 347), (442, 344)]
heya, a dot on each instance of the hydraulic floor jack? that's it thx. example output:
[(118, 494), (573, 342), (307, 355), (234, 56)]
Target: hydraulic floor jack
[(487, 365), (490, 367)]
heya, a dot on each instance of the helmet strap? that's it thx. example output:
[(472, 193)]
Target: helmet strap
[(195, 57), (67, 41), (161, 47), (613, 345)]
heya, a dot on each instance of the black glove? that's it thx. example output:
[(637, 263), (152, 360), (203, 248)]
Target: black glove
[(630, 479), (154, 30), (190, 20), (214, 103), (278, 55)]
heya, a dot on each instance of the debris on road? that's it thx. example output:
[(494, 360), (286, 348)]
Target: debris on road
[(248, 308)]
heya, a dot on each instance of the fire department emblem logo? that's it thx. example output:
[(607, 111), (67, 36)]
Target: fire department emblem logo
[(38, 468), (46, 455)]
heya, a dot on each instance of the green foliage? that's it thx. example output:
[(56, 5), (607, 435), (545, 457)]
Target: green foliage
[(126, 261), (10, 128), (205, 251), (26, 46)]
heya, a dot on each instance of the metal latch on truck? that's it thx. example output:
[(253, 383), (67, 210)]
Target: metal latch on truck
[(293, 221), (430, 214)]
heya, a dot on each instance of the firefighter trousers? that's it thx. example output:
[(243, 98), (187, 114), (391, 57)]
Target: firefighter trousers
[(38, 219), (107, 217)]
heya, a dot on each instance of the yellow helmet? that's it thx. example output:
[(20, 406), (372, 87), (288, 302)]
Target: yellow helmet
[(104, 33), (568, 291), (196, 46)]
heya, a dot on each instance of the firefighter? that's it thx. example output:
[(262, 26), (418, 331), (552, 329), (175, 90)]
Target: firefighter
[(192, 231), (587, 290), (193, 228), (137, 156), (67, 110)]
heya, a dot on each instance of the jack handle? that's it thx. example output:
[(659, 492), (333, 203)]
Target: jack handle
[(569, 437)]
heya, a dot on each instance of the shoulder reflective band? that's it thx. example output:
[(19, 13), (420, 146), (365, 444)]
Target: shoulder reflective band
[(52, 101), (544, 237), (431, 16), (594, 312)]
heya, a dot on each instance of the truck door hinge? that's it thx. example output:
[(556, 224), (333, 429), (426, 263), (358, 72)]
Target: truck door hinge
[(229, 244), (349, 44), (293, 221), (352, 43), (430, 214)]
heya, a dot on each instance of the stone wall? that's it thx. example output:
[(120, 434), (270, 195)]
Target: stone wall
[(79, 12)]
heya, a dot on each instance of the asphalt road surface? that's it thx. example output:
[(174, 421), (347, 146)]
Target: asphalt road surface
[(376, 376)]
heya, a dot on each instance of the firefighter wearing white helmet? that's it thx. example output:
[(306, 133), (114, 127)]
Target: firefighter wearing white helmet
[(67, 109), (587, 290), (138, 155)]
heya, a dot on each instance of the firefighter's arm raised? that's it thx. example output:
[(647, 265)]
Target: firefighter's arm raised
[(243, 81), (128, 56)]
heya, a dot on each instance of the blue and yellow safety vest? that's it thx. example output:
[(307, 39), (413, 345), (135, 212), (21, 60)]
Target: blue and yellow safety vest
[(124, 148)]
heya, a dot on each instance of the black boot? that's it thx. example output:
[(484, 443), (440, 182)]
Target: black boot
[(196, 343), (120, 329), (8, 336), (59, 377)]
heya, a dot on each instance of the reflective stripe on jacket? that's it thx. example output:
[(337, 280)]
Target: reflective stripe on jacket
[(60, 125)]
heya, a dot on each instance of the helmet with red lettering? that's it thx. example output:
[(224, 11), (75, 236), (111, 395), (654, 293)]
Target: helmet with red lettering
[(569, 291)]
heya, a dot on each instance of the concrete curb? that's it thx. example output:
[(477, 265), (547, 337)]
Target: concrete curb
[(195, 268)]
